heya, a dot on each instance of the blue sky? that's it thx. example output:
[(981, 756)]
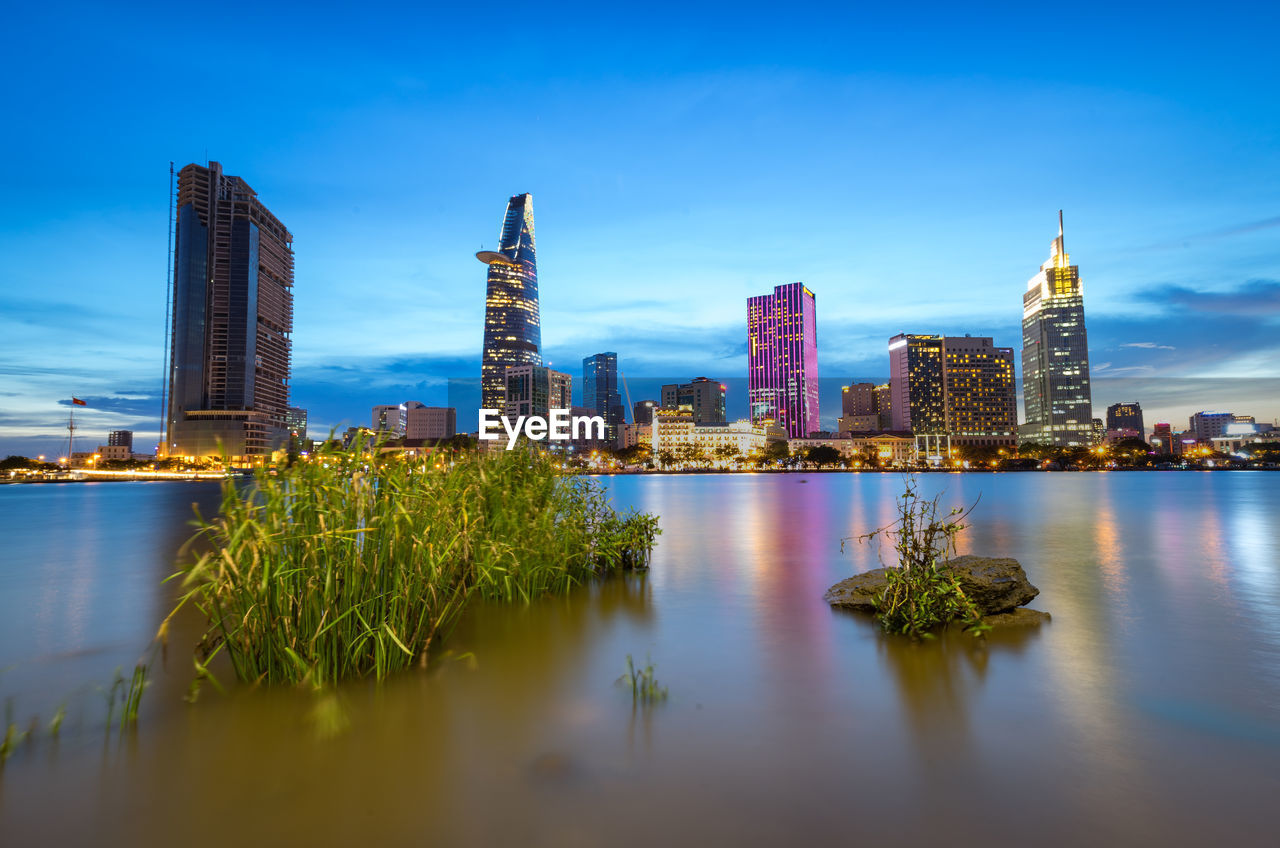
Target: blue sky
[(908, 166)]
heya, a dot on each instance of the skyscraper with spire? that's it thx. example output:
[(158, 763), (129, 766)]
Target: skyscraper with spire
[(512, 325), (1055, 354)]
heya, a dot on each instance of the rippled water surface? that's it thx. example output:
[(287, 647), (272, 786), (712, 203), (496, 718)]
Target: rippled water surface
[(1146, 712)]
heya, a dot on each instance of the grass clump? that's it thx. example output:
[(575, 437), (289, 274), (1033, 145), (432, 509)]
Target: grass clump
[(921, 594), (353, 563), (644, 687)]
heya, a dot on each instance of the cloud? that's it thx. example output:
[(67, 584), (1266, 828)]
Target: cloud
[(1251, 299), (1149, 346)]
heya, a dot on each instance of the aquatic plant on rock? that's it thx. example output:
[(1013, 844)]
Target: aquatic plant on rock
[(929, 587)]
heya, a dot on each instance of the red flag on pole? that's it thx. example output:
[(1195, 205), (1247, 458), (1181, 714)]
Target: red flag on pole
[(78, 402)]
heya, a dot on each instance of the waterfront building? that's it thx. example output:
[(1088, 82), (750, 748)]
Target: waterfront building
[(889, 450), (884, 406), (1055, 354), (858, 412), (116, 438), (429, 423), (600, 393), (110, 452), (858, 399), (703, 397), (389, 419), (536, 390), (295, 421), (228, 380), (916, 384), (1126, 416), (782, 359), (637, 435), (1098, 431), (859, 423), (952, 390), (1209, 425), (1162, 438), (512, 322), (676, 428), (642, 411), (981, 398)]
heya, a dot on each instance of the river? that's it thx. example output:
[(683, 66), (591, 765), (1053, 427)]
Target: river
[(1146, 712)]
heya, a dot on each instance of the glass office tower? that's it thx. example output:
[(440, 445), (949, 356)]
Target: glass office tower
[(1055, 355), (600, 392), (512, 326), (232, 318), (782, 359)]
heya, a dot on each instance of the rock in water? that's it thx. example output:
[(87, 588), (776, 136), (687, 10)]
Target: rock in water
[(995, 584), (859, 591)]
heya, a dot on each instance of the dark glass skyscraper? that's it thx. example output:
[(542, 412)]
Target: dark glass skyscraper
[(600, 392), (231, 322), (512, 326), (1055, 354)]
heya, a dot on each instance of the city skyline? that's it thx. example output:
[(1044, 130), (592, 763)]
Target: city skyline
[(389, 183)]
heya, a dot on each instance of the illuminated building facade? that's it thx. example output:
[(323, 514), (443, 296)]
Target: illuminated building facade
[(703, 397), (232, 318), (916, 388), (674, 429), (535, 390), (600, 393), (782, 359), (858, 409), (952, 390), (1162, 440), (1055, 354), (1126, 417), (1210, 425), (296, 422), (512, 323), (982, 401)]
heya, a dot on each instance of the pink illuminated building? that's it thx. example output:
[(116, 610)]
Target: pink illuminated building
[(782, 359)]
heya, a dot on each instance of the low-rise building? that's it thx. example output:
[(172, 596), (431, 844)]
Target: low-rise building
[(889, 449), (675, 428)]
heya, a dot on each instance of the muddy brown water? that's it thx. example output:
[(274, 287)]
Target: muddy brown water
[(1147, 712)]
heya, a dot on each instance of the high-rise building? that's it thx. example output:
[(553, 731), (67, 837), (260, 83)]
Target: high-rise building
[(232, 320), (982, 398), (1210, 425), (296, 422), (1055, 354), (1162, 438), (858, 409), (389, 419), (120, 438), (512, 323), (703, 397), (1126, 416), (429, 422), (642, 411), (957, 387), (916, 385), (1097, 431), (884, 406), (536, 390), (782, 359), (600, 392)]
